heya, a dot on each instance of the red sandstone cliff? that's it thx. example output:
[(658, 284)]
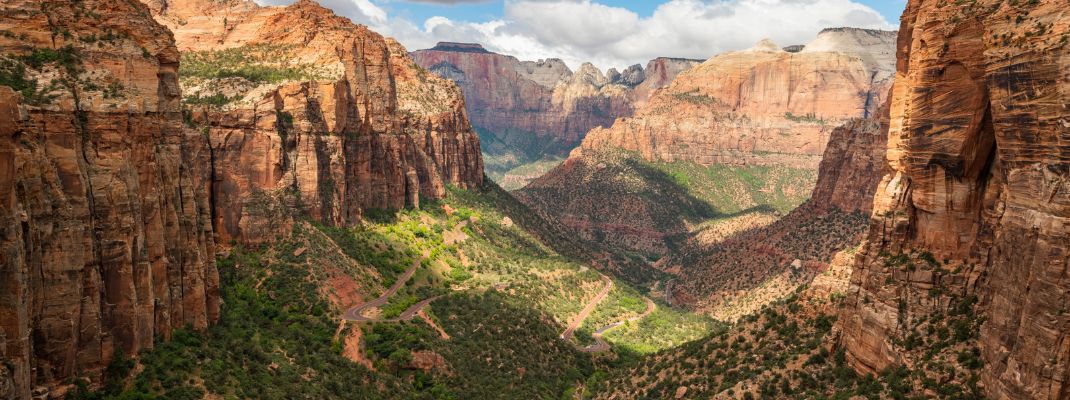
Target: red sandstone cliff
[(315, 115), (759, 106), (853, 164), (529, 110), (106, 239), (978, 195)]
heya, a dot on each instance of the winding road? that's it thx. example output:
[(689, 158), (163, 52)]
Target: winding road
[(600, 345), (356, 313), (588, 309)]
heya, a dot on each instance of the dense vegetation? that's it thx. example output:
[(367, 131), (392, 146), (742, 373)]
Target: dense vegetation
[(501, 298), (274, 341), (502, 295), (734, 189), (220, 77), (254, 63), (782, 352)]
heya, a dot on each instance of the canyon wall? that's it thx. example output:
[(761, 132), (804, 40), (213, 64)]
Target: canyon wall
[(763, 105), (535, 107), (527, 110), (114, 196), (105, 227), (308, 113), (853, 164), (979, 188)]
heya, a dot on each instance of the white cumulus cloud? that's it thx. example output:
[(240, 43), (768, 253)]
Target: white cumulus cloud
[(578, 31)]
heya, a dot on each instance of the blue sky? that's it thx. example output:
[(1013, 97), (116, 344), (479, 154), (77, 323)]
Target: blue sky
[(611, 33), (490, 10)]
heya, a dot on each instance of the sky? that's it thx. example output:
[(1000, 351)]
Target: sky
[(611, 33)]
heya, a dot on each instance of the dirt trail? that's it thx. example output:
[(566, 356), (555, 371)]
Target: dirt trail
[(441, 333)]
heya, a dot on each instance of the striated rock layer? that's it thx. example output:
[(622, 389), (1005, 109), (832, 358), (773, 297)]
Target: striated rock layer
[(309, 113), (531, 109), (760, 106), (979, 184), (105, 229)]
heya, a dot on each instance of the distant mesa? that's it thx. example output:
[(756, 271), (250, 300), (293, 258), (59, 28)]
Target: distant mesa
[(460, 47), (681, 59), (874, 32)]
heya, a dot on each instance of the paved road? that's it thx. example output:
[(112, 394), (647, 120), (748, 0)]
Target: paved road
[(578, 319), (600, 345), (356, 313), (411, 312)]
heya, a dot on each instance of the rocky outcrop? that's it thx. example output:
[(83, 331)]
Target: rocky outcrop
[(759, 106), (659, 73), (853, 165), (979, 188), (105, 228), (310, 114), (536, 107), (527, 110)]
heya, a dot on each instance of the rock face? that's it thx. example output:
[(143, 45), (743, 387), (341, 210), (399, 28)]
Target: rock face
[(659, 73), (853, 165), (309, 113), (979, 178), (760, 106), (526, 110), (540, 102), (106, 239)]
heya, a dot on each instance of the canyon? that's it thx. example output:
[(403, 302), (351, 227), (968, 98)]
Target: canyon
[(218, 199), (734, 268), (527, 111), (115, 196), (764, 112)]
